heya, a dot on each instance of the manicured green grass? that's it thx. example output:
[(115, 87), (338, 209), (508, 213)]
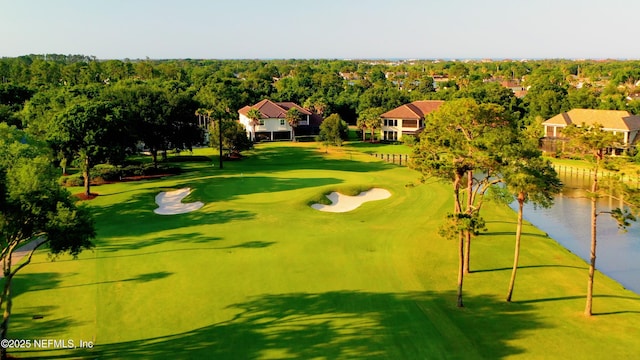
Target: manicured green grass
[(622, 164), (257, 273), (378, 148)]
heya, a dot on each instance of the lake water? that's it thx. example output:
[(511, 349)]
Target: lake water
[(569, 223)]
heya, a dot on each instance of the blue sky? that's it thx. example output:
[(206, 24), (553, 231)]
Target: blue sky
[(343, 29)]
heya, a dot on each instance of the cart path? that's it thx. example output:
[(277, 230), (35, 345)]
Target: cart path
[(22, 251)]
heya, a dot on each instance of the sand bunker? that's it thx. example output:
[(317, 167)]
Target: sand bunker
[(344, 203), (170, 203)]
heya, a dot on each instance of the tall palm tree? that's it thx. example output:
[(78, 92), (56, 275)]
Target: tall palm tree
[(372, 120), (254, 116), (362, 124), (293, 117)]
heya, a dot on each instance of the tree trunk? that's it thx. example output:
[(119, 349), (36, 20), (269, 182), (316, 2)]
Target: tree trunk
[(364, 134), (154, 156), (460, 268), (293, 134), (467, 240), (373, 135), (457, 210), (86, 173), (6, 298), (516, 254), (594, 217)]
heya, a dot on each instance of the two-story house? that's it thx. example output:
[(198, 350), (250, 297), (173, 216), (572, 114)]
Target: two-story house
[(616, 121), (273, 125), (407, 119)]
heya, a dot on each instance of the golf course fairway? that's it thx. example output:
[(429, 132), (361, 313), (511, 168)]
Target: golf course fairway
[(257, 273)]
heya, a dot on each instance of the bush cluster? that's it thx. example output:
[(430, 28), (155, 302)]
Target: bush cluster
[(104, 173)]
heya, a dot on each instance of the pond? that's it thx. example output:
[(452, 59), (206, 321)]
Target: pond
[(569, 223)]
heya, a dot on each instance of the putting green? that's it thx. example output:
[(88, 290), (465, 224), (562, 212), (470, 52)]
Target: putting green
[(258, 273)]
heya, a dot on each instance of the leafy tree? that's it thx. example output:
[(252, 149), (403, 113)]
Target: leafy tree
[(595, 141), (33, 209), (14, 96), (159, 118), (381, 96), (547, 95), (145, 109), (90, 131), (583, 98), (293, 117), (528, 178), (458, 70), (234, 136), (333, 130), (376, 75), (317, 104), (183, 132), (491, 93), (461, 137)]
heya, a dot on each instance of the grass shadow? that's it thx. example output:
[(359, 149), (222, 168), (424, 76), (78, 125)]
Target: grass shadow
[(24, 320), (530, 267), (141, 278), (575, 297), (512, 233), (340, 325)]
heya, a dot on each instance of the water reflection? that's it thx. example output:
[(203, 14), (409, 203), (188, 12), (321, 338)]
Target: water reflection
[(569, 223)]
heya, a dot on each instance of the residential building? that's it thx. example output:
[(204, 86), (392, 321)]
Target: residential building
[(273, 124), (407, 119), (617, 121)]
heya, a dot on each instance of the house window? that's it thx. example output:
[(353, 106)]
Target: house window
[(261, 122), (390, 135), (281, 122), (389, 122), (410, 123)]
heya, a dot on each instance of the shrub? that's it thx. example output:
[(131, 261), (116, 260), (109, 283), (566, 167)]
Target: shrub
[(409, 140), (72, 180), (306, 138), (105, 172)]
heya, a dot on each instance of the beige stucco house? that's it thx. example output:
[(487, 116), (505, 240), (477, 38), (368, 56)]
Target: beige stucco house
[(407, 119), (616, 121)]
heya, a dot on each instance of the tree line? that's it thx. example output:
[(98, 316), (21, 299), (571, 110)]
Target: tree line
[(347, 88)]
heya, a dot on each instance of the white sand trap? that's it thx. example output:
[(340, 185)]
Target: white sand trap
[(170, 203), (344, 203)]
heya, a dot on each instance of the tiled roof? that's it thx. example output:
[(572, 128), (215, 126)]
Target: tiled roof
[(413, 111), (609, 119), (272, 110)]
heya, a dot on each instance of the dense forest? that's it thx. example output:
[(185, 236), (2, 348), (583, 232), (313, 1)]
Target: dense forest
[(329, 86), (93, 111)]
